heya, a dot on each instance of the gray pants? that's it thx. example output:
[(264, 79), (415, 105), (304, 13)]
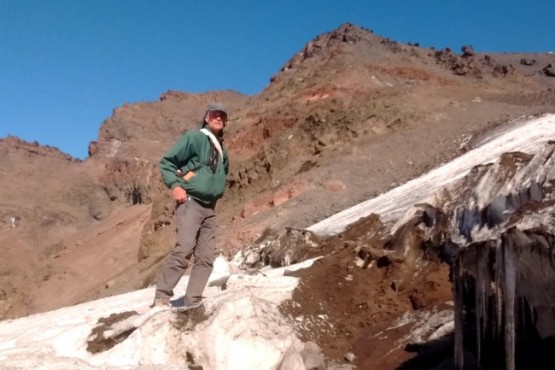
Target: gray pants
[(196, 226)]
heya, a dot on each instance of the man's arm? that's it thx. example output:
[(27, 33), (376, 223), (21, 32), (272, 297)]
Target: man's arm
[(171, 162)]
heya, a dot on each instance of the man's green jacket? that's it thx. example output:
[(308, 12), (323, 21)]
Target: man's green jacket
[(192, 153)]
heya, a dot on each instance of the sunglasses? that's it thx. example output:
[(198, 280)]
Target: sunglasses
[(218, 114)]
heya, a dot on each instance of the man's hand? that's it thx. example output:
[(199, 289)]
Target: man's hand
[(179, 194)]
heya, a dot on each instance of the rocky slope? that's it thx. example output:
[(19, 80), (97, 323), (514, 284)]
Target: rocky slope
[(350, 116)]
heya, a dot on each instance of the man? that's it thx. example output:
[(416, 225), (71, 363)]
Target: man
[(195, 169)]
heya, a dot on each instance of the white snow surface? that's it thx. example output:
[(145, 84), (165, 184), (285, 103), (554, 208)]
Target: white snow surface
[(244, 329)]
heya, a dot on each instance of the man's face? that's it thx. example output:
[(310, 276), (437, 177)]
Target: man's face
[(216, 121)]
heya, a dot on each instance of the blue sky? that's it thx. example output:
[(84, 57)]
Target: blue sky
[(66, 64)]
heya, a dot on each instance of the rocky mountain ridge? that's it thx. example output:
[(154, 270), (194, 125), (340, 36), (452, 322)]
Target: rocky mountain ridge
[(350, 116)]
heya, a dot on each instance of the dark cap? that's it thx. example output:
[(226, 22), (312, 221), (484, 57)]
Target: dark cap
[(216, 107)]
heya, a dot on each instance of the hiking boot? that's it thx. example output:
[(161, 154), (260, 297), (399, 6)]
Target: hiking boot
[(161, 302), (190, 303)]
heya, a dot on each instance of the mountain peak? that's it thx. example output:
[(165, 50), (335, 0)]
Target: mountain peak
[(13, 144), (328, 42)]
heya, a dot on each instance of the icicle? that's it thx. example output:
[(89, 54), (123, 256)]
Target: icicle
[(490, 286), (509, 282), (479, 296), (498, 293), (521, 314), (459, 318), (482, 293)]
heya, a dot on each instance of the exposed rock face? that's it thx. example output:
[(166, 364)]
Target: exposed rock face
[(121, 180), (275, 249)]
